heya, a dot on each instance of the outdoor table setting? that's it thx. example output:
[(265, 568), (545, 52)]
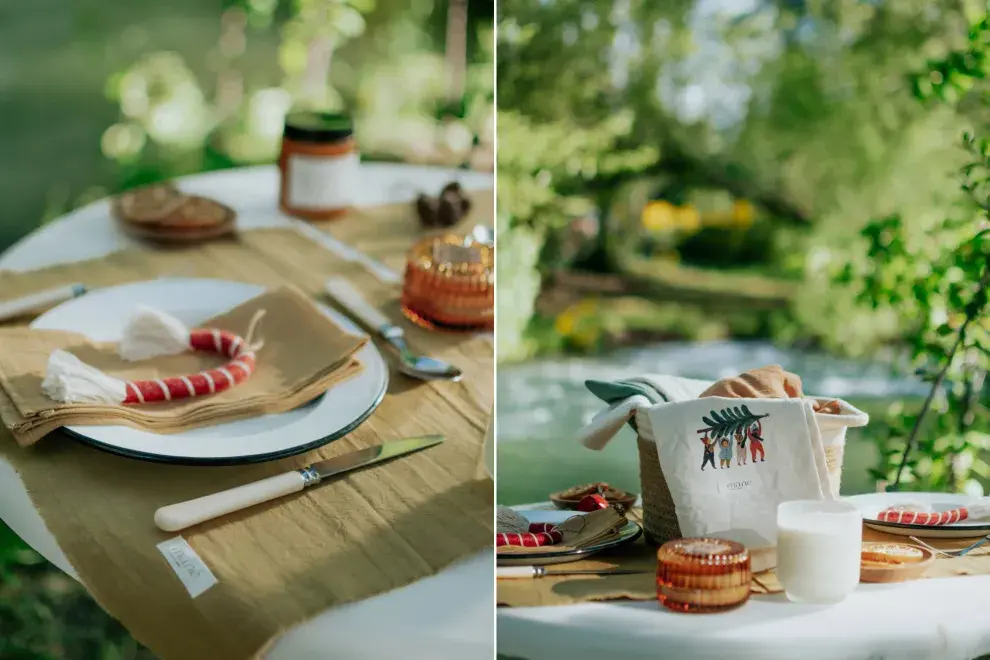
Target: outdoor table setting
[(740, 544), (171, 382)]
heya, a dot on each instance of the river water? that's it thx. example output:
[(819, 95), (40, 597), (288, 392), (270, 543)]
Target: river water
[(542, 404)]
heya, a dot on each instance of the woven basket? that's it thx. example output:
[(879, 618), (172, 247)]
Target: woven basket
[(659, 518)]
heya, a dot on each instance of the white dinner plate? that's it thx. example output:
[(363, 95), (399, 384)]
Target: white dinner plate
[(627, 534), (101, 316), (870, 504)]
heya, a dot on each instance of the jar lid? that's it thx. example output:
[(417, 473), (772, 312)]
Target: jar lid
[(315, 126), (703, 552)]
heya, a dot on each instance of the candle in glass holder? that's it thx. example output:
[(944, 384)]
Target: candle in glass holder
[(818, 549), (450, 284), (702, 575)]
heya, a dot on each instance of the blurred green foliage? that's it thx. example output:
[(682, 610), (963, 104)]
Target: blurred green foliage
[(380, 60), (804, 109), (939, 285)]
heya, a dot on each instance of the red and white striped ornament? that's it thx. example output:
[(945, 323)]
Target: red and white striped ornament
[(151, 333), (913, 515), (539, 534)]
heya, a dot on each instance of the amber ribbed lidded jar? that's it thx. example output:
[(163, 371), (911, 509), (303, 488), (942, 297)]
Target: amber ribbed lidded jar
[(450, 284), (702, 575)]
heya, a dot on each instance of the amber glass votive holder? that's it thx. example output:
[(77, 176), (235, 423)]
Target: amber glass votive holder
[(450, 284), (702, 575)]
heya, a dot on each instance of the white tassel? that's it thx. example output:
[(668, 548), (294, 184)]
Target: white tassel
[(509, 521), (69, 380), (151, 333)]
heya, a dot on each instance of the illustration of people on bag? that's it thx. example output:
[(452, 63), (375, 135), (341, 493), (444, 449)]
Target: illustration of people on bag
[(725, 453), (755, 434), (709, 456), (729, 428)]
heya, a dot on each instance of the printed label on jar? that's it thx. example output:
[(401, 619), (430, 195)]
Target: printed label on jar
[(321, 182)]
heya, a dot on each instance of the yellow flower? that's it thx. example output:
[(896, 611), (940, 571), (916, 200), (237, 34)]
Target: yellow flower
[(688, 218), (743, 212), (658, 215), (564, 323)]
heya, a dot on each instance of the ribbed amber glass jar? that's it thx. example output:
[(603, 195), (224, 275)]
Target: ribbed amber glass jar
[(450, 284), (702, 575)]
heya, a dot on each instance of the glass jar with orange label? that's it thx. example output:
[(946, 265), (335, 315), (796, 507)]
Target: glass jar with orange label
[(319, 165)]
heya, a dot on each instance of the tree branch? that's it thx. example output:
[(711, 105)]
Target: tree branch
[(960, 338)]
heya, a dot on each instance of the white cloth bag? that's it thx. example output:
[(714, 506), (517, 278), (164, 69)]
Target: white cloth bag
[(801, 450)]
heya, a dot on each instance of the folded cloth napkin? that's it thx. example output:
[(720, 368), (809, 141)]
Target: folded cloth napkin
[(303, 354), (625, 397), (770, 382), (578, 531)]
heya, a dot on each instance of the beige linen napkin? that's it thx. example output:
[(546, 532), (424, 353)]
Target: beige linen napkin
[(577, 532), (303, 355)]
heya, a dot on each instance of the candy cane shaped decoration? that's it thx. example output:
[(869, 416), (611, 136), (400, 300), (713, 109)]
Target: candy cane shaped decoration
[(539, 534), (151, 333), (911, 515)]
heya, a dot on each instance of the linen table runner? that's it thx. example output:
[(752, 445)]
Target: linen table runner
[(281, 563), (567, 590)]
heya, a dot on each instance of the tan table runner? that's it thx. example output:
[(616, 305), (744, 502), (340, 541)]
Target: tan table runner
[(281, 563), (639, 556)]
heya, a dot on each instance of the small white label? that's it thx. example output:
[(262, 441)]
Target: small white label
[(322, 182), (447, 253), (739, 479), (192, 572)]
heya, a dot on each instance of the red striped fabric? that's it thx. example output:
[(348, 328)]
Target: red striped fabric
[(207, 340), (540, 534), (923, 518)]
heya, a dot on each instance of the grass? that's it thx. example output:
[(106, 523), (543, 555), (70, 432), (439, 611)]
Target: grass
[(46, 615)]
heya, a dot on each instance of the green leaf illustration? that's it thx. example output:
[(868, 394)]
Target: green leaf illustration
[(728, 421)]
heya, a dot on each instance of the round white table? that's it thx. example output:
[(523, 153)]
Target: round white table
[(932, 619), (437, 617)]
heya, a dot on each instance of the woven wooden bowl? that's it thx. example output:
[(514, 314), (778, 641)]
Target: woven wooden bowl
[(912, 568), (567, 501)]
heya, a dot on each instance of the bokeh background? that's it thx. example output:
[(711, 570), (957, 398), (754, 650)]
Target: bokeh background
[(97, 96), (699, 187)]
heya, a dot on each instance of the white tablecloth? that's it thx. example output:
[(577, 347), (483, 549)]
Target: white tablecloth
[(445, 616), (932, 619)]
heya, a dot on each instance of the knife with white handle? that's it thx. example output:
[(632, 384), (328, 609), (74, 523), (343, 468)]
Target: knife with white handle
[(174, 517), (37, 302), (524, 572)]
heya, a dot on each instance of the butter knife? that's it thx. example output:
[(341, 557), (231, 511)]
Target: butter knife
[(174, 517), (38, 302), (515, 572)]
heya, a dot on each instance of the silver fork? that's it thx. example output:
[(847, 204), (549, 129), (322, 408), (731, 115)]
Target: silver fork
[(951, 553)]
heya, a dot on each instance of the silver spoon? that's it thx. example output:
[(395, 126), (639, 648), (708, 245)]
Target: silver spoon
[(951, 553), (417, 366)]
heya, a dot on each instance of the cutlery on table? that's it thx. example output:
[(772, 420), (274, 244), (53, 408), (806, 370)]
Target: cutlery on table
[(516, 572), (38, 302), (951, 553), (186, 514), (417, 366)]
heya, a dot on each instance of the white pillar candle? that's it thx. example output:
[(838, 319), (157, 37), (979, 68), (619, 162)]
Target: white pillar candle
[(818, 549)]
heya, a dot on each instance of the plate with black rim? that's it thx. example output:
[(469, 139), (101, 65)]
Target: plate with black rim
[(627, 534), (870, 504), (101, 316)]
